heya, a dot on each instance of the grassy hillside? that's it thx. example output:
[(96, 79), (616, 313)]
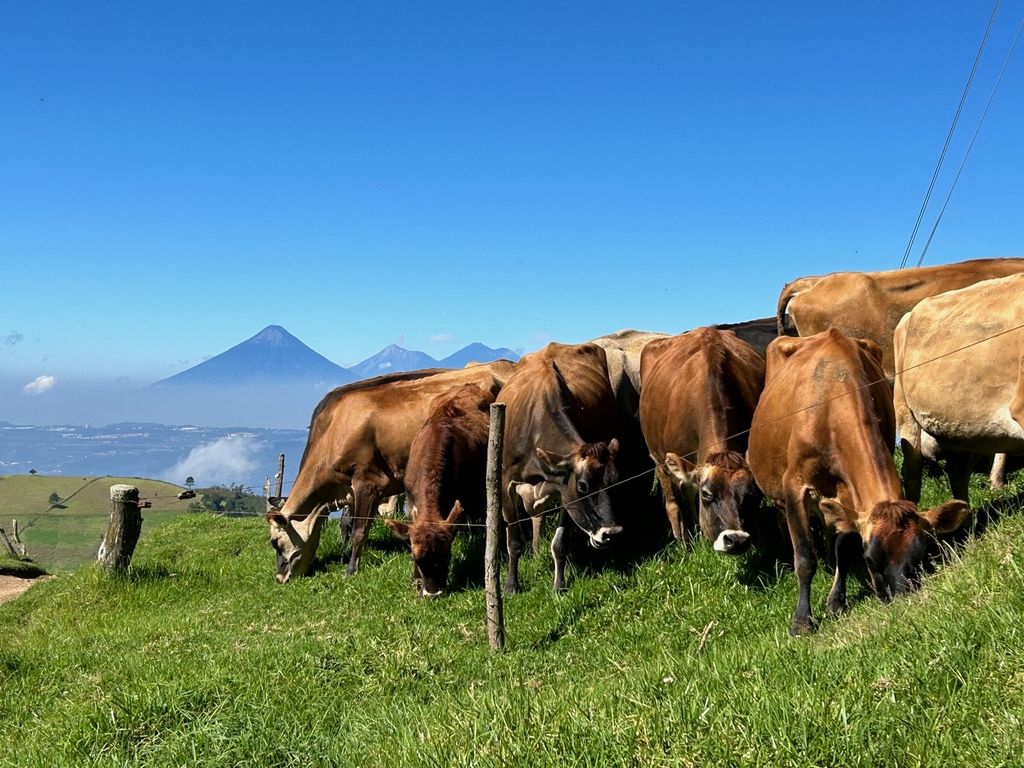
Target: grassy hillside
[(201, 658), (62, 539)]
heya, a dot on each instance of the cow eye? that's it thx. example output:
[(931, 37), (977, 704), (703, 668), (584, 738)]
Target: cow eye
[(706, 494), (581, 487)]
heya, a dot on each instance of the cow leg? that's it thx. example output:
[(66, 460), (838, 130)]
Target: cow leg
[(805, 562), (997, 477), (912, 470), (367, 497), (513, 538), (672, 510), (846, 551), (560, 548), (538, 525), (958, 469)]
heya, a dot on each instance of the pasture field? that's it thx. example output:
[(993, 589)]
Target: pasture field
[(62, 540), (199, 657)]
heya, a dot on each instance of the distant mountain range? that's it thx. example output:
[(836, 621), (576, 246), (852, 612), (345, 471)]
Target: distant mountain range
[(274, 357)]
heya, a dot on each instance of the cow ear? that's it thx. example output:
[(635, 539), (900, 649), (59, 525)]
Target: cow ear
[(947, 517), (613, 447), (832, 511), (456, 514), (400, 529), (274, 504), (678, 466), (276, 518), (553, 462), (784, 346), (871, 349)]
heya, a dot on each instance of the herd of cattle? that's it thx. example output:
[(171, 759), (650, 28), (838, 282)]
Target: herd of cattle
[(803, 409)]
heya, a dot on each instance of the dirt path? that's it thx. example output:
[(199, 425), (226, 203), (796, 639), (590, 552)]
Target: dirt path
[(12, 587)]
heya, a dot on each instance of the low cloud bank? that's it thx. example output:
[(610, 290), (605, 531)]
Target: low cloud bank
[(40, 385), (222, 462)]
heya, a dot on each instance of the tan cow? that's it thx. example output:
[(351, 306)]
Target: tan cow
[(821, 445), (359, 440), (445, 481), (560, 440), (700, 391), (960, 388), (868, 305)]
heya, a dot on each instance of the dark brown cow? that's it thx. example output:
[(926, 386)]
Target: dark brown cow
[(821, 445), (868, 305), (560, 422), (358, 444), (757, 333), (699, 394), (444, 480)]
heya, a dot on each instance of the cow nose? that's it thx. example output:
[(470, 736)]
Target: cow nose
[(732, 542), (606, 534)]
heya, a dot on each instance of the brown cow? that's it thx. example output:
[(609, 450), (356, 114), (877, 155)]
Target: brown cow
[(560, 422), (359, 440), (443, 479), (700, 391), (821, 445), (868, 305), (960, 388)]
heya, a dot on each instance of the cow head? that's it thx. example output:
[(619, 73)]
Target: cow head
[(726, 494), (585, 475), (431, 543), (294, 539), (897, 539)]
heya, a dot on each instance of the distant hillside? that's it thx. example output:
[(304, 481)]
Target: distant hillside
[(477, 353), (271, 357)]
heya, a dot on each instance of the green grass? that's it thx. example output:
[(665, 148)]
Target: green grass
[(22, 567), (200, 658), (62, 540)]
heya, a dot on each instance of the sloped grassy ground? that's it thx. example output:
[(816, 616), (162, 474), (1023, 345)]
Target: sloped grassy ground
[(200, 658)]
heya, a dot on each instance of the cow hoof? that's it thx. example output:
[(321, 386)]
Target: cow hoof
[(807, 627), (511, 589), (837, 607)]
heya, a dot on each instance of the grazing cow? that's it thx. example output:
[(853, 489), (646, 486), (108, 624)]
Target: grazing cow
[(560, 422), (757, 333), (359, 440), (960, 387), (868, 305), (700, 391), (445, 478), (821, 445)]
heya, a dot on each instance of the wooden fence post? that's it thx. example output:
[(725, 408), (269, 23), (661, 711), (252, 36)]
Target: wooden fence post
[(18, 543), (123, 529), (279, 477), (492, 557), (7, 543)]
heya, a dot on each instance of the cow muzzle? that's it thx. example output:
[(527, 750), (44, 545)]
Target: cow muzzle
[(604, 535), (732, 542)]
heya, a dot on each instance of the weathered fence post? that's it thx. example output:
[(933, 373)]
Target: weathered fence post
[(18, 543), (7, 543), (492, 557), (123, 529), (279, 477)]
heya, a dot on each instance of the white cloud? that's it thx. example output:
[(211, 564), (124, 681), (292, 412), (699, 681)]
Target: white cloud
[(39, 385), (222, 462), (441, 338)]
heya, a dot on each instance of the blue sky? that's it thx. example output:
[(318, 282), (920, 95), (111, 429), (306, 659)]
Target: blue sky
[(176, 176)]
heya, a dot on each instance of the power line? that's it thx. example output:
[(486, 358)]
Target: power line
[(949, 135), (977, 130)]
